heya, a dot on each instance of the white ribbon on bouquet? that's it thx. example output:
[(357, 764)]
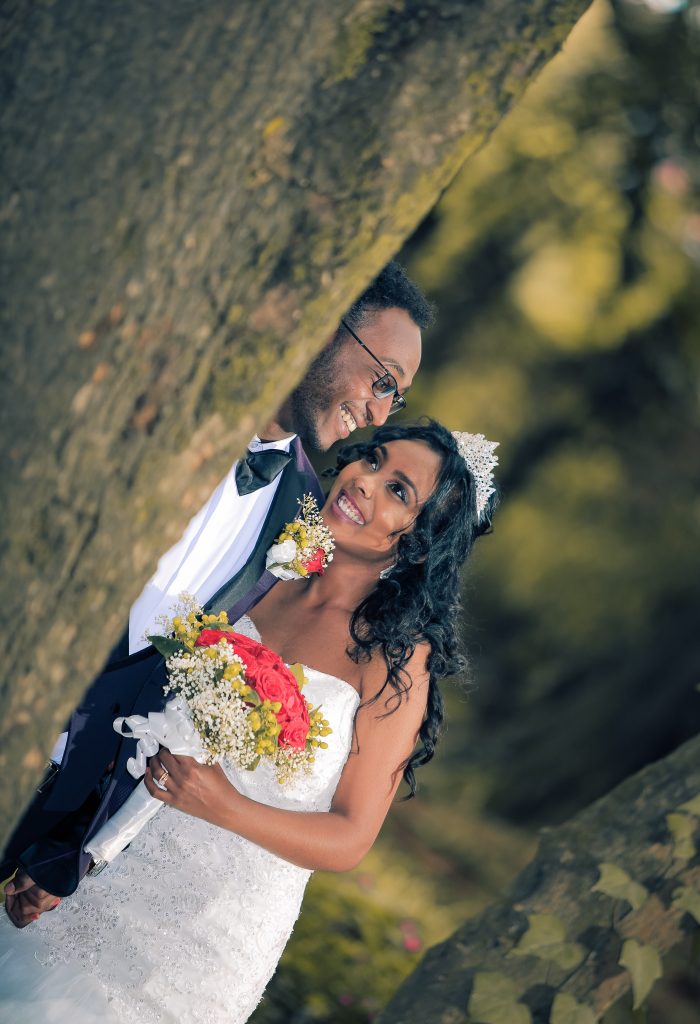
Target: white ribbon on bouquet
[(171, 728)]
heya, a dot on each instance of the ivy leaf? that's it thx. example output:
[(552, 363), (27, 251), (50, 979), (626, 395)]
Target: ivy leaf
[(565, 1010), (494, 1000), (681, 827), (644, 965), (692, 806), (616, 883), (687, 899), (546, 939)]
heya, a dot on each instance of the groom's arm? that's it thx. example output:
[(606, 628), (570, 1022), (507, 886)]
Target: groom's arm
[(49, 853), (48, 842), (45, 868)]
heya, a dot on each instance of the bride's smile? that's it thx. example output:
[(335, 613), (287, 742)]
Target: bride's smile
[(347, 507)]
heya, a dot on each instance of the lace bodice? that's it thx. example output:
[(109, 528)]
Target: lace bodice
[(188, 924)]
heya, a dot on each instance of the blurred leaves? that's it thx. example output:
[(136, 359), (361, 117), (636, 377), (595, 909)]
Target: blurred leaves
[(565, 264), (569, 303)]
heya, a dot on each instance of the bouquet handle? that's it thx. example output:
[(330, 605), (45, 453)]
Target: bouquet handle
[(171, 728), (123, 826)]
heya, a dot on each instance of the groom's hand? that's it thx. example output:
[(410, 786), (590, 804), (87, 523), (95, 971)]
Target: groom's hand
[(25, 901)]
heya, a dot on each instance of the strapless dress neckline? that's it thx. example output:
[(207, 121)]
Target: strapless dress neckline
[(317, 671)]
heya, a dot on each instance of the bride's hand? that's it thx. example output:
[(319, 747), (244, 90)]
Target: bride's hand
[(197, 789), (25, 901)]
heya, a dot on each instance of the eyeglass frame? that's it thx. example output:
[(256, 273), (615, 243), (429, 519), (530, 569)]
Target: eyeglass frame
[(398, 402)]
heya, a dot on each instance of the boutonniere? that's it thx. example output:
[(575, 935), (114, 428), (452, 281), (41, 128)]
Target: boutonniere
[(304, 546)]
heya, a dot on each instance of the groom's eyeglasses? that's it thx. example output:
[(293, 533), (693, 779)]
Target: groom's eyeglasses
[(386, 384)]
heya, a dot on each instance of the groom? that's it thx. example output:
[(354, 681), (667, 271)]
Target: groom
[(357, 380)]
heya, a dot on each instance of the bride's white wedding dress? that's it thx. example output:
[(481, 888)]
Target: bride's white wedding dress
[(187, 925)]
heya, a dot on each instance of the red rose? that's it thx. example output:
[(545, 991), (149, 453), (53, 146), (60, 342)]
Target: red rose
[(295, 705), (294, 734), (271, 684), (258, 662), (315, 563), (209, 637), (265, 672), (249, 650), (247, 647)]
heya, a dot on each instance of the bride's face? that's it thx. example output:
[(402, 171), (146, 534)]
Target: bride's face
[(374, 500)]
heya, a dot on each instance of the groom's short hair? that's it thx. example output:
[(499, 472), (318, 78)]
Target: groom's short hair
[(391, 289)]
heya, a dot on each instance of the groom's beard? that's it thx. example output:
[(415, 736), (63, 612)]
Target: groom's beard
[(315, 394)]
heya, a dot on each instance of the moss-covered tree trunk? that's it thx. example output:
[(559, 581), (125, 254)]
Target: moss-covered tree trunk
[(192, 192), (605, 897)]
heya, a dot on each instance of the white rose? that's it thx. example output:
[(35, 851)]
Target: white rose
[(281, 554)]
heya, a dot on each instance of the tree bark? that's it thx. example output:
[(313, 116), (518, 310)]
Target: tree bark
[(192, 193), (648, 828)]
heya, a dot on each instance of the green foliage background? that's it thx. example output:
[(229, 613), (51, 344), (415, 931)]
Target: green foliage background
[(565, 263)]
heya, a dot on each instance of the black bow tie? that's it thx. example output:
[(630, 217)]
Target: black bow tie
[(259, 468)]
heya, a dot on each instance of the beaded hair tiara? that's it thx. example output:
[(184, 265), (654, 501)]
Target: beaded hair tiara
[(477, 452)]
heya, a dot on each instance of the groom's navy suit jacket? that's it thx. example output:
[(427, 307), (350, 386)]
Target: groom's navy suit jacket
[(92, 782)]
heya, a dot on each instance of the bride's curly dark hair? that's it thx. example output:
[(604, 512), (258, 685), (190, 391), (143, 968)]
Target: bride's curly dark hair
[(419, 600)]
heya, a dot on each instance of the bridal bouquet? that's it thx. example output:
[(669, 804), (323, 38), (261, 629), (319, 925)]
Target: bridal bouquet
[(232, 697), (305, 546)]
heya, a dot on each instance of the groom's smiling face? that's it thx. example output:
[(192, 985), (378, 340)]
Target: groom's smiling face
[(336, 397)]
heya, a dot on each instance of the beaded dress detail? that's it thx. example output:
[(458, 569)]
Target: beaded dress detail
[(188, 924)]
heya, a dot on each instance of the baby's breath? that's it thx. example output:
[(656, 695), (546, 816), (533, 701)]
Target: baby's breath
[(212, 681)]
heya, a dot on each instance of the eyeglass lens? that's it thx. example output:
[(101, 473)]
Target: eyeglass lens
[(385, 386)]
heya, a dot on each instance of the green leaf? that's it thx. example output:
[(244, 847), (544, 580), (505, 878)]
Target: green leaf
[(644, 965), (681, 827), (616, 883), (565, 1010), (692, 806), (546, 939), (166, 646), (687, 899), (297, 671), (494, 1000)]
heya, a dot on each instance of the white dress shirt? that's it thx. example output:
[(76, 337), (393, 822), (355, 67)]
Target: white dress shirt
[(216, 544)]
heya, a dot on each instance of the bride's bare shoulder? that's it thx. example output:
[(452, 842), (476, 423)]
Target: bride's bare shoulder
[(413, 681)]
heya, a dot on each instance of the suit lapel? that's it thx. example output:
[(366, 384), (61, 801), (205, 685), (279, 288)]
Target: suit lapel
[(297, 479)]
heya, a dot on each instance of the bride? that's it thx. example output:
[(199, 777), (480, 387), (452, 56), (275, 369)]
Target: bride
[(188, 924)]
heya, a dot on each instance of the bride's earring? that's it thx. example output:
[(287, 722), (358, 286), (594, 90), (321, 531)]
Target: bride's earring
[(385, 572)]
